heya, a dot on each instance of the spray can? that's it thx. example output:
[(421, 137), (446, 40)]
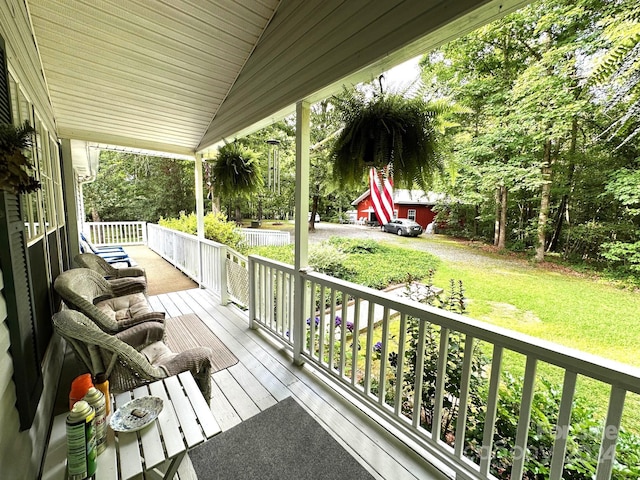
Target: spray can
[(101, 382), (79, 388), (82, 459), (95, 398)]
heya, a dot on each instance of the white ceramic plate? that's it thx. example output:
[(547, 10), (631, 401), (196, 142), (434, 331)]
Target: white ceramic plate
[(136, 414)]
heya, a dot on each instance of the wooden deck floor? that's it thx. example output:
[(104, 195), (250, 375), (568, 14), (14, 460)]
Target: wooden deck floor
[(266, 375)]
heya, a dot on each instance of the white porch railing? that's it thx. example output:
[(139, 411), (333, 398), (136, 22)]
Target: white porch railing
[(361, 365), (212, 265), (116, 233), (261, 238), (200, 259)]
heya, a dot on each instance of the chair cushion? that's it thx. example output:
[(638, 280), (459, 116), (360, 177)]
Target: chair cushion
[(126, 307), (158, 353)]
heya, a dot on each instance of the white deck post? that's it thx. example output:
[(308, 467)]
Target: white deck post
[(199, 195), (200, 217), (301, 229)]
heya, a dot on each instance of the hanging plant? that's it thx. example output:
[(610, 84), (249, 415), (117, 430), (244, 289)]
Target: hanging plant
[(236, 171), (383, 129), (17, 174)]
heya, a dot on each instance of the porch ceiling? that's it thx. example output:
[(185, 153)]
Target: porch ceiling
[(179, 75)]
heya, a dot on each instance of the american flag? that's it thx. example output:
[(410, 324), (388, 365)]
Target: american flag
[(381, 188)]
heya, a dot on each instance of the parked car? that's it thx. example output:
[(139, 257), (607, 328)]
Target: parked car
[(403, 226)]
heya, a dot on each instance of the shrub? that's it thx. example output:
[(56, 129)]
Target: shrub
[(283, 253), (362, 261), (326, 258), (352, 245), (584, 434), (583, 442), (216, 228), (626, 254)]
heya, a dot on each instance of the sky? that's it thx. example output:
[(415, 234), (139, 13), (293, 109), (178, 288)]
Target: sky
[(403, 75)]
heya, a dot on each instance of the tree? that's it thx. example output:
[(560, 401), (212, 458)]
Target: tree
[(138, 187), (619, 70), (523, 79)]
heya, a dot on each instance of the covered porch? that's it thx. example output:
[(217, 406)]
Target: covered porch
[(265, 375), (353, 400), (177, 80)]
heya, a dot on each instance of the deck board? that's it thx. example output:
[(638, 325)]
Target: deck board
[(266, 374)]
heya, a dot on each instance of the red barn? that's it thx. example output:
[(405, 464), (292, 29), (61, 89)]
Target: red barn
[(412, 204)]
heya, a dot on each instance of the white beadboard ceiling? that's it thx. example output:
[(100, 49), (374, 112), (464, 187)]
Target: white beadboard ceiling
[(178, 76)]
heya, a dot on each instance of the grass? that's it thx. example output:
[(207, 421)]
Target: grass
[(578, 311)]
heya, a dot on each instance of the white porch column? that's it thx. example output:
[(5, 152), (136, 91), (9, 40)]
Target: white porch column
[(199, 195), (200, 216), (301, 224)]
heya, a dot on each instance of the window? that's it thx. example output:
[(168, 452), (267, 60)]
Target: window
[(411, 214)]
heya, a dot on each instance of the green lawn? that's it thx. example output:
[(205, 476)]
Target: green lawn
[(573, 310)]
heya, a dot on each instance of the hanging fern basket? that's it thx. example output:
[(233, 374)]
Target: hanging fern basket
[(236, 171), (17, 174), (381, 130)]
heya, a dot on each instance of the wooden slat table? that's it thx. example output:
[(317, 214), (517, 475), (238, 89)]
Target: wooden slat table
[(157, 450)]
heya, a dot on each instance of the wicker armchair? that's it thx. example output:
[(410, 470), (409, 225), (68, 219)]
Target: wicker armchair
[(112, 307), (108, 271), (125, 366)]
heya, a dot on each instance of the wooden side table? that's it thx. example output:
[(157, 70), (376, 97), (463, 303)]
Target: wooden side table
[(155, 451)]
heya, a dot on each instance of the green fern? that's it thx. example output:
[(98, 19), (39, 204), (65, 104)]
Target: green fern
[(236, 171), (17, 174), (620, 71), (387, 128)]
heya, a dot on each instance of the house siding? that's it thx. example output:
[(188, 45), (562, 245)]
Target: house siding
[(21, 452), (424, 213)]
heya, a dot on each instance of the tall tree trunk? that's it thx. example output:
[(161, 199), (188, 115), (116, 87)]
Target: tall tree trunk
[(475, 220), (502, 237), (95, 216), (545, 196), (563, 211), (314, 210), (496, 228), (215, 205), (238, 214)]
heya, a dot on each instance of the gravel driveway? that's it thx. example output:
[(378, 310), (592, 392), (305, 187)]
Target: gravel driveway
[(446, 249)]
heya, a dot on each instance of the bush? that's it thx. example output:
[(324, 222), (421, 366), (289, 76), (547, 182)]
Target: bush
[(216, 228), (352, 245), (283, 253), (390, 265), (584, 434), (326, 258), (583, 241), (623, 254), (583, 442)]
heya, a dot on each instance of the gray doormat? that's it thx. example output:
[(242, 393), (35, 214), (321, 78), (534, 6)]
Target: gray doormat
[(188, 331), (283, 442)]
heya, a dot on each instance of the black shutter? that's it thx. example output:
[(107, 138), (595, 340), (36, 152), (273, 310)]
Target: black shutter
[(27, 374)]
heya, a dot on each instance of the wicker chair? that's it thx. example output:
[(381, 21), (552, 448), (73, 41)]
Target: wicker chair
[(108, 271), (112, 307), (125, 366)]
